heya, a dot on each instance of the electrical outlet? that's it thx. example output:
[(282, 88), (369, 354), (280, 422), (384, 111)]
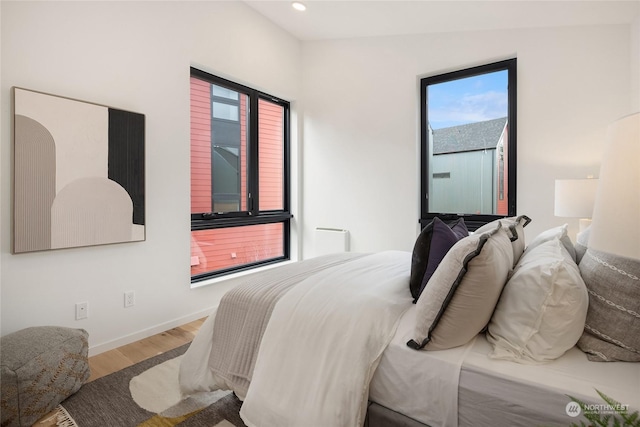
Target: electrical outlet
[(129, 299), (82, 310)]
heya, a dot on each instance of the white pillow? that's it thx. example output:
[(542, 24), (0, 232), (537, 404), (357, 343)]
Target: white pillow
[(543, 307), (560, 233)]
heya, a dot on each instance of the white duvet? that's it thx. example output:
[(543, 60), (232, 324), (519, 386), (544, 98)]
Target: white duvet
[(323, 343)]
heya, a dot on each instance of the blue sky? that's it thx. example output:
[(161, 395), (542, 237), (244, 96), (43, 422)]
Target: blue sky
[(468, 100)]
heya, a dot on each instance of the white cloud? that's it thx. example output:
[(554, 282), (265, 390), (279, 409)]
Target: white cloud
[(469, 108)]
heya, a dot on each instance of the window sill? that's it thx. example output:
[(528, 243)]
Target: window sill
[(237, 275)]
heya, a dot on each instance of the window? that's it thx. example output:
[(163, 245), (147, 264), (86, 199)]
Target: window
[(468, 144), (239, 177)]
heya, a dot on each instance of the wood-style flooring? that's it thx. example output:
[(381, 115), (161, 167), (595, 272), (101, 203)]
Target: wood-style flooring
[(122, 357)]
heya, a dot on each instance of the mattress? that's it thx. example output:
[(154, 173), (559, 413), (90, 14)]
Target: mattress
[(464, 387), (422, 385), (531, 395)]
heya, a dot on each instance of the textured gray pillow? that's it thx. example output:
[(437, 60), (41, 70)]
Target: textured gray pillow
[(612, 329), (460, 297)]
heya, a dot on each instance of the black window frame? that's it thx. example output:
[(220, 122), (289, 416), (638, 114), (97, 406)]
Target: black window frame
[(215, 99), (252, 216), (472, 221)]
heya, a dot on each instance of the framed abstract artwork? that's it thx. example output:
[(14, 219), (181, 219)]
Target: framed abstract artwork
[(79, 173)]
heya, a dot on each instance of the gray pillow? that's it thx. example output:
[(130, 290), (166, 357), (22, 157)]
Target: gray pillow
[(460, 297), (515, 225), (612, 329)]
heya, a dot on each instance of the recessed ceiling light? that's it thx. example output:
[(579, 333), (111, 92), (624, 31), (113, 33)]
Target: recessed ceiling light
[(298, 6)]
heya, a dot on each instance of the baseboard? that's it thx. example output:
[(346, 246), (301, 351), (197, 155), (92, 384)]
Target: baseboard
[(145, 333)]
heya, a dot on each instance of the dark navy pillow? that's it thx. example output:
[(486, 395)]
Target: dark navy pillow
[(431, 246)]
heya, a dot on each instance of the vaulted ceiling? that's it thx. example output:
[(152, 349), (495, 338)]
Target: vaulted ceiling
[(328, 19)]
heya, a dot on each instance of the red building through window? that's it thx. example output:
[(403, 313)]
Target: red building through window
[(221, 172)]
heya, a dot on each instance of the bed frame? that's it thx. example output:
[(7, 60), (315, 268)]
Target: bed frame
[(379, 416)]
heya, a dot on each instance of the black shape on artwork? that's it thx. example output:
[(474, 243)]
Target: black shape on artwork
[(126, 157)]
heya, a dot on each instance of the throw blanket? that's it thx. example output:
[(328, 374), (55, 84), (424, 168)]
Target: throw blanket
[(223, 354), (323, 342), (244, 313)]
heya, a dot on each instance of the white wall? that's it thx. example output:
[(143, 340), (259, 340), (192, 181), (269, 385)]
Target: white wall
[(360, 157), (1, 172), (361, 133), (134, 56), (634, 53)]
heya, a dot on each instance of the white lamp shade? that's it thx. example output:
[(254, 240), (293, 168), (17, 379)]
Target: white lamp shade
[(575, 197), (615, 226)]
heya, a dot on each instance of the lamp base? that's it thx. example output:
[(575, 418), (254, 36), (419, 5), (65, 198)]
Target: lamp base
[(583, 224)]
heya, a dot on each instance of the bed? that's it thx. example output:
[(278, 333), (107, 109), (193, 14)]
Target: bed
[(367, 339), (490, 391)]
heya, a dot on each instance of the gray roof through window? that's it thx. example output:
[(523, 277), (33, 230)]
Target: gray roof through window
[(469, 137)]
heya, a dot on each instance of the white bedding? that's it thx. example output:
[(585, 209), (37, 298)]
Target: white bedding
[(224, 357), (342, 332), (323, 343), (526, 395), (431, 377), (493, 392), (195, 375), (337, 321)]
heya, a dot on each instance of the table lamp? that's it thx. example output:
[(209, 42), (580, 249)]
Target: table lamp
[(575, 198)]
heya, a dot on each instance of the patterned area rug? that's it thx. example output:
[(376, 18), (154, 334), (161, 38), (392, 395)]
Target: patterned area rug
[(146, 395)]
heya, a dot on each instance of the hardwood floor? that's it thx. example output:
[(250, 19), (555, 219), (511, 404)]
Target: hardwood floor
[(122, 357), (114, 360)]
